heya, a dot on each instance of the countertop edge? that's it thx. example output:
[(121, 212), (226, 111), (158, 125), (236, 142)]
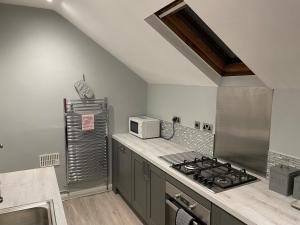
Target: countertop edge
[(32, 186)]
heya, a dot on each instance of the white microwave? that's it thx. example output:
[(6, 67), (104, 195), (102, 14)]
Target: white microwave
[(144, 127)]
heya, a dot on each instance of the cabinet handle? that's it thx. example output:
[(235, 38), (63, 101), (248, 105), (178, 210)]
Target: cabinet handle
[(145, 171), (1, 198), (149, 172), (122, 148)]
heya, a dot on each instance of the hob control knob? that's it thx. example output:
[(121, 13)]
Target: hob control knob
[(210, 183)]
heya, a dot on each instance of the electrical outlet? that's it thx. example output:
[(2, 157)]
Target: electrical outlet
[(207, 127), (176, 119), (197, 125)]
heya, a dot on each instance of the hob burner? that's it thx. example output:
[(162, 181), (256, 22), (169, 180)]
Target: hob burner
[(191, 166), (213, 174)]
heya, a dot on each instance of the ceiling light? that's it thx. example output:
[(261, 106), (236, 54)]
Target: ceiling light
[(49, 0)]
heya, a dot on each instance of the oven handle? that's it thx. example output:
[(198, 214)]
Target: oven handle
[(175, 208), (185, 202)]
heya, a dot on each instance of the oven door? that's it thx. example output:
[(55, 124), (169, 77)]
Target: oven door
[(171, 212)]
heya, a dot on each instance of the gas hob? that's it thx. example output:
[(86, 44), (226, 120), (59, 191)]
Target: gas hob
[(209, 172)]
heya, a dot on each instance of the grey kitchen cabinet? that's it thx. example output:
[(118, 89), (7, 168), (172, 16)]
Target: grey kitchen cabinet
[(156, 196), (148, 191), (221, 217), (122, 170), (139, 185), (115, 146), (142, 185)]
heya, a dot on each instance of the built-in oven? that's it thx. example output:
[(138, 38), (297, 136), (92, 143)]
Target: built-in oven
[(176, 200)]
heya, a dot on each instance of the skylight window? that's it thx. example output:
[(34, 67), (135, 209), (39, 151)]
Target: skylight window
[(191, 29)]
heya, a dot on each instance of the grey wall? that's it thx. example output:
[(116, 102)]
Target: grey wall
[(285, 133), (189, 102), (41, 56), (199, 103)]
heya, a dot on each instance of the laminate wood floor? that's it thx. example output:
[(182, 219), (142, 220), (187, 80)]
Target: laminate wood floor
[(101, 209)]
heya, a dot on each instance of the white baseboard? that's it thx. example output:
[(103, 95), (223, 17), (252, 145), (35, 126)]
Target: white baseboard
[(85, 192)]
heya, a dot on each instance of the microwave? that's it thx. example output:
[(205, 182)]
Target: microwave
[(144, 127)]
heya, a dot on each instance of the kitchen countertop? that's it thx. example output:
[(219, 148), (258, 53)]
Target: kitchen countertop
[(32, 186), (253, 203)]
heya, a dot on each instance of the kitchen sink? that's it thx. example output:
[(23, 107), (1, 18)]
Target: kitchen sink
[(41, 213)]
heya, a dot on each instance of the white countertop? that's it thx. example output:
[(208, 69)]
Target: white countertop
[(254, 203), (32, 186)]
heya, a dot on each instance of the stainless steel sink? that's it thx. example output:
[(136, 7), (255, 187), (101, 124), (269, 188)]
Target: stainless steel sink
[(41, 213)]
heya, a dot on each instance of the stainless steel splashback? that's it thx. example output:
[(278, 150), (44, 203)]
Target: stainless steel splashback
[(243, 126)]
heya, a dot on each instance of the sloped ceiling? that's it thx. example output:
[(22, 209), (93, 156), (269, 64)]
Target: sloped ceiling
[(264, 34)]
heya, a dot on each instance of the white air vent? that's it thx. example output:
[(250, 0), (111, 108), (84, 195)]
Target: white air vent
[(47, 160)]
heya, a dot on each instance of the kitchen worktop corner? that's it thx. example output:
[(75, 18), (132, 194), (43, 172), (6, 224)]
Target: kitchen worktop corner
[(32, 186)]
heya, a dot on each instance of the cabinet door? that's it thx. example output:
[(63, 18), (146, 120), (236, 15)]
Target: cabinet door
[(221, 217), (139, 185), (124, 172), (155, 196), (115, 146)]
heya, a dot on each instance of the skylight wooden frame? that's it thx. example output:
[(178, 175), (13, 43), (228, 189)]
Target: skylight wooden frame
[(169, 16)]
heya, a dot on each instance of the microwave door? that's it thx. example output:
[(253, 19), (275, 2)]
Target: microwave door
[(134, 127)]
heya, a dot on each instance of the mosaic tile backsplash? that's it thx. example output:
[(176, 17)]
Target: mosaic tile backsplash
[(197, 140), (203, 142)]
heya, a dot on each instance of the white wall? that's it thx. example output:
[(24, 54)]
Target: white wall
[(41, 57), (263, 34), (189, 102), (285, 133)]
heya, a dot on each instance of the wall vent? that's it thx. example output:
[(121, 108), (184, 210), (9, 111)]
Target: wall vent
[(48, 160)]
